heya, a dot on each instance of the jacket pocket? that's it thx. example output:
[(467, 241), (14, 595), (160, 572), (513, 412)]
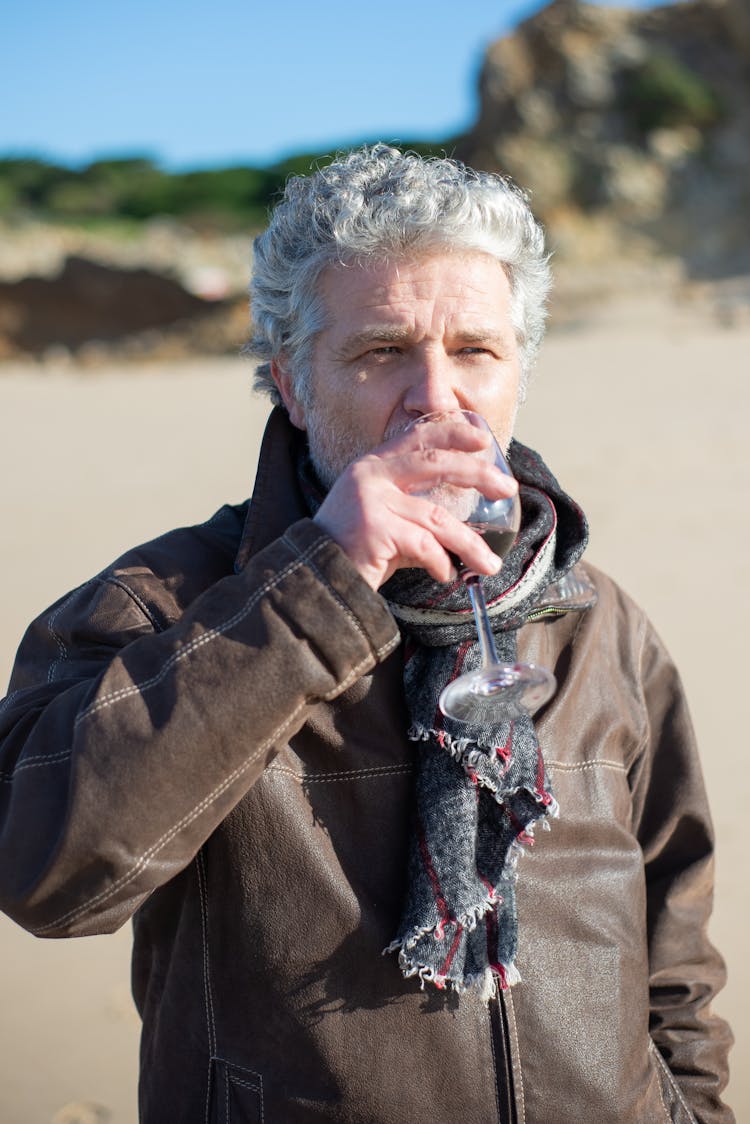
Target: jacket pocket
[(676, 1108), (236, 1094)]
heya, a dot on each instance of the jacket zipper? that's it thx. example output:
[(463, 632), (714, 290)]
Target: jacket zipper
[(552, 611), (506, 1097)]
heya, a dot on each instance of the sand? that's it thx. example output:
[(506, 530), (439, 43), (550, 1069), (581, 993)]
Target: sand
[(642, 413)]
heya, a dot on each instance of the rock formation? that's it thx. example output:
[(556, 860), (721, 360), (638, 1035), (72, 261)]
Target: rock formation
[(630, 128), (98, 311)]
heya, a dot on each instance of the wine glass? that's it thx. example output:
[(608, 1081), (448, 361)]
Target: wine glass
[(477, 695)]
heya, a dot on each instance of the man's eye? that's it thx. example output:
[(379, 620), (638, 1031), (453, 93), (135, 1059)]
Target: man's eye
[(386, 349)]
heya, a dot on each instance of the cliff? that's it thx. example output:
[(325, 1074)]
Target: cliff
[(631, 129)]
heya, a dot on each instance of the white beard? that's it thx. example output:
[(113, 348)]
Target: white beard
[(332, 447)]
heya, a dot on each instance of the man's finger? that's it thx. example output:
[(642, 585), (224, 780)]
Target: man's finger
[(455, 538)]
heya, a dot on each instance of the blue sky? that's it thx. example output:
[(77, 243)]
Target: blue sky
[(193, 85)]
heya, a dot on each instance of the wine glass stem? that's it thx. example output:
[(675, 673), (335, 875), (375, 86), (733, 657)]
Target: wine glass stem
[(487, 648)]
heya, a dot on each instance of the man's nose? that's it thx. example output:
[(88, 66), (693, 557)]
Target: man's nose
[(432, 385)]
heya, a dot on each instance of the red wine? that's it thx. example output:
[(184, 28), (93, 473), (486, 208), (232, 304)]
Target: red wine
[(499, 541)]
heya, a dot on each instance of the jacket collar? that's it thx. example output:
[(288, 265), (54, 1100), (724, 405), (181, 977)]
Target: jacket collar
[(277, 500)]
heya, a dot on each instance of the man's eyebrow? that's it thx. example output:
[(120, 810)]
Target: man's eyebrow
[(378, 333), (397, 333), (477, 336)]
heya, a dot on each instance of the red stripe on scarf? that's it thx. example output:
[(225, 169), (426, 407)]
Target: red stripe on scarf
[(459, 663), (424, 851), (504, 751), (451, 953)]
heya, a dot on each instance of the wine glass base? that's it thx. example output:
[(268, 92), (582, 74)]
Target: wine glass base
[(480, 696)]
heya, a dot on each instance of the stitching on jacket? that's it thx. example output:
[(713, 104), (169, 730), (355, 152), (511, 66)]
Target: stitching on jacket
[(256, 1087), (56, 637), (654, 1049), (245, 1084), (209, 1079), (169, 835), (62, 651), (380, 652), (355, 673), (35, 763), (494, 1066), (598, 762), (112, 580), (343, 775), (8, 700), (207, 997), (517, 1070), (389, 647), (187, 819), (339, 599), (248, 1085), (198, 642)]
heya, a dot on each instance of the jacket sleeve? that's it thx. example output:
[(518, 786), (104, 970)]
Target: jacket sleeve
[(674, 828), (123, 747)]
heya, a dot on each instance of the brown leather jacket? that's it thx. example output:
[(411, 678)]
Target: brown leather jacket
[(210, 737)]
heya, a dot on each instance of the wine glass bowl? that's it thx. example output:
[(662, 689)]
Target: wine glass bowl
[(477, 695)]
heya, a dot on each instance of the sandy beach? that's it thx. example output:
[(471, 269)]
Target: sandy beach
[(642, 413)]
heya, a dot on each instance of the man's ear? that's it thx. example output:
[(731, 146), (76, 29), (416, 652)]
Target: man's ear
[(285, 385)]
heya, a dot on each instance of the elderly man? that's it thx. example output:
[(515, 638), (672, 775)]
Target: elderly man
[(232, 734)]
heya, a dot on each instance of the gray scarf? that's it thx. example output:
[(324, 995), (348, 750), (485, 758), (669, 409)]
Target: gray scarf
[(479, 788)]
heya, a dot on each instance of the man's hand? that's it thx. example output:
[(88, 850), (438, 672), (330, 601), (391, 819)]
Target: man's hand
[(374, 515)]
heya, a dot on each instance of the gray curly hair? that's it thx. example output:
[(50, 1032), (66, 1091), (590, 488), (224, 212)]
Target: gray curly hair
[(380, 203)]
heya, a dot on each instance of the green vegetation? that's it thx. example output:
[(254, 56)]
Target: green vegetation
[(133, 189), (663, 92)]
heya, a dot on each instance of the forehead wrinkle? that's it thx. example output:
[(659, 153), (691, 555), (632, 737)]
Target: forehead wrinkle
[(393, 307)]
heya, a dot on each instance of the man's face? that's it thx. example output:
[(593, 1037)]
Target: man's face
[(403, 339)]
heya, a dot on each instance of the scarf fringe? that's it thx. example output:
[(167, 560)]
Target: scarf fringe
[(472, 917), (487, 983), (468, 758), (467, 921), (496, 976), (454, 746)]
